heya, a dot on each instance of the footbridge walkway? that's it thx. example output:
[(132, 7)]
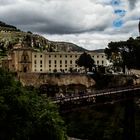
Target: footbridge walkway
[(97, 97), (126, 95)]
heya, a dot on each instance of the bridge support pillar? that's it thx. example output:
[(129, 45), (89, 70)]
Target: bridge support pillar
[(129, 120)]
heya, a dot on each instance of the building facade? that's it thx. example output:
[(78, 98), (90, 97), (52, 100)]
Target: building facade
[(29, 60)]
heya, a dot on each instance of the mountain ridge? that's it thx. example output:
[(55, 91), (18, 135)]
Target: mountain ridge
[(10, 36)]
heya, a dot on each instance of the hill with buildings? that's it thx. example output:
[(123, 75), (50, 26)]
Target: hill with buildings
[(10, 35)]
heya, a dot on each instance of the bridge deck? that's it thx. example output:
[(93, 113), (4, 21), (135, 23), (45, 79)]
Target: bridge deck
[(96, 94)]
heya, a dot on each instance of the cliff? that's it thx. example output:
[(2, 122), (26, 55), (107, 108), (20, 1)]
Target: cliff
[(38, 79), (77, 81)]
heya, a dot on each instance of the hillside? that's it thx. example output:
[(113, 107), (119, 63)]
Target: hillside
[(10, 35), (6, 27), (99, 51)]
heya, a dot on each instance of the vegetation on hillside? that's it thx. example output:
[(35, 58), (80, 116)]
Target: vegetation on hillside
[(104, 122), (10, 35), (96, 123), (6, 27), (24, 115)]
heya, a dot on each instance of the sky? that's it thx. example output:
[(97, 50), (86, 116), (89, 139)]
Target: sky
[(91, 24)]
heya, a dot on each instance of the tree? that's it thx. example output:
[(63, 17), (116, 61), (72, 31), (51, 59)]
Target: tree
[(25, 115), (86, 61), (124, 53)]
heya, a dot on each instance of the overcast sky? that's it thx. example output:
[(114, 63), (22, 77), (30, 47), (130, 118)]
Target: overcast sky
[(91, 24)]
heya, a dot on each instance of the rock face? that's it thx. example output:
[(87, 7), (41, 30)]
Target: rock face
[(38, 79), (59, 79)]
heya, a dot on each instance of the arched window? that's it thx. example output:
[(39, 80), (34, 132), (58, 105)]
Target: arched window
[(25, 57)]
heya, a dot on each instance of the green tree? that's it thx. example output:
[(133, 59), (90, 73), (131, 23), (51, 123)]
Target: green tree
[(86, 61), (25, 115), (124, 53)]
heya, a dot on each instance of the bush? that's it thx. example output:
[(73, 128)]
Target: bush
[(25, 115)]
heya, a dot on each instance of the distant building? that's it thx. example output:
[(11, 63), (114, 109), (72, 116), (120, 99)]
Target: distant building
[(5, 62), (30, 60)]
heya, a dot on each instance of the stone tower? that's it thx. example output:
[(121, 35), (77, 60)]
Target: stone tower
[(25, 63)]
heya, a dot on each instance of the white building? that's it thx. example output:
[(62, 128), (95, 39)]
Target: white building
[(29, 60)]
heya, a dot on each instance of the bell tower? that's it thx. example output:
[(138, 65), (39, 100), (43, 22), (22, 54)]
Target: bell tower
[(25, 62)]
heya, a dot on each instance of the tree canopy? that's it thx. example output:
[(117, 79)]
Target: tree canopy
[(24, 115), (124, 53), (86, 61)]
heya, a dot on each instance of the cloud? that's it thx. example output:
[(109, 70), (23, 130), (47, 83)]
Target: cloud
[(88, 23), (6, 2), (132, 3), (55, 17)]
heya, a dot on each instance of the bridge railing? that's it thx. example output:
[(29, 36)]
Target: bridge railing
[(95, 94)]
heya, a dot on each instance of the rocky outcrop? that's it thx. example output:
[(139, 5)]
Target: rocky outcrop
[(37, 79), (59, 79)]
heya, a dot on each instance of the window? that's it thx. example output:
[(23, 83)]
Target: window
[(97, 61), (40, 61), (34, 61), (60, 65), (54, 61), (65, 61), (49, 61), (55, 65), (35, 69), (75, 56), (65, 65), (40, 65), (60, 55), (65, 69), (49, 65), (40, 69), (70, 61), (40, 55), (66, 56), (102, 62), (24, 58), (60, 61), (102, 56), (97, 56), (34, 55), (70, 55), (55, 56), (49, 69), (49, 55), (93, 56)]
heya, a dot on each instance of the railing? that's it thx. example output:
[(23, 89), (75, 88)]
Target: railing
[(95, 94)]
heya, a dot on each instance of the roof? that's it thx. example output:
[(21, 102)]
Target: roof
[(98, 51)]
